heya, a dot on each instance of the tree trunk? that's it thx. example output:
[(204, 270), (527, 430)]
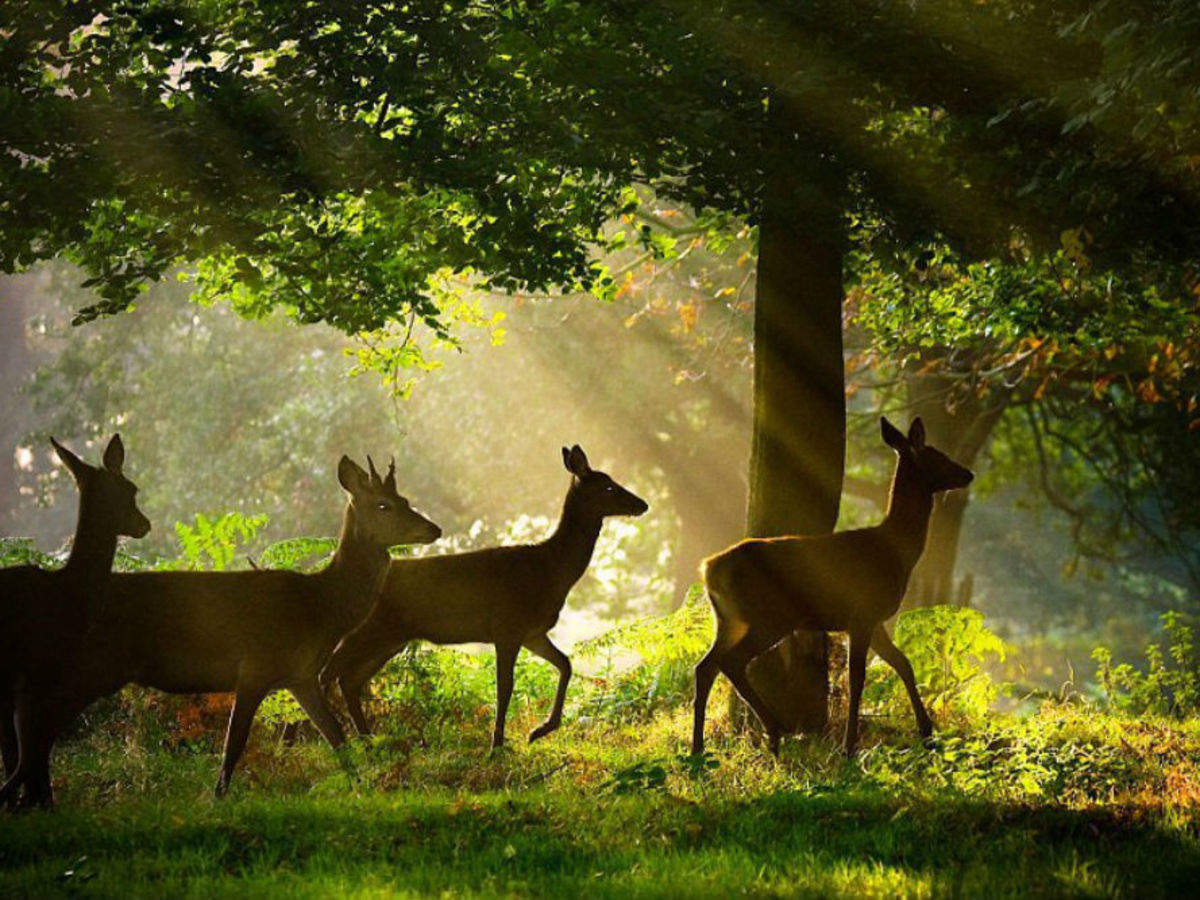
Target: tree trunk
[(798, 450), (14, 362), (932, 581), (960, 424)]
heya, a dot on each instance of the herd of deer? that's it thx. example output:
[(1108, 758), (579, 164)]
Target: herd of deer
[(73, 635)]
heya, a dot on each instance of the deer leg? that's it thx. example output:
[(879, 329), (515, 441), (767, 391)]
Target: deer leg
[(29, 784), (543, 647), (706, 674), (882, 644), (47, 718), (352, 682), (506, 661), (316, 706), (733, 664), (19, 790), (8, 734), (245, 705), (859, 642), (38, 788)]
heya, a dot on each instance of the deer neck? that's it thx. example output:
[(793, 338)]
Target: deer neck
[(357, 568), (95, 543), (910, 505), (574, 539)]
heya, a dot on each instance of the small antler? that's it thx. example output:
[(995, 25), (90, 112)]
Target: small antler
[(389, 482), (375, 479)]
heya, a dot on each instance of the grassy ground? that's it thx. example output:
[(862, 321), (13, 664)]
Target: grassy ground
[(1068, 802)]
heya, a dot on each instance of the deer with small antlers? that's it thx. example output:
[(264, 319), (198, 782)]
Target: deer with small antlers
[(509, 597), (44, 615), (252, 632), (763, 589)]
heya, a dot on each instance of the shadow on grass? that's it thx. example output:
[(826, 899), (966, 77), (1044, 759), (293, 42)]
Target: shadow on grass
[(555, 844)]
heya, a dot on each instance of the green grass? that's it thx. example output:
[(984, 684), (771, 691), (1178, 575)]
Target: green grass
[(1069, 802)]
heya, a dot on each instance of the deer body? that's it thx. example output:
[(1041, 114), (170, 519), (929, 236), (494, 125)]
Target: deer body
[(253, 632), (763, 589), (172, 630), (506, 596), (46, 616)]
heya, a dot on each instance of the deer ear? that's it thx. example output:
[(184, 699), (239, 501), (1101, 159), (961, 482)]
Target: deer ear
[(916, 434), (352, 477), (892, 436), (576, 461), (78, 468), (114, 455)]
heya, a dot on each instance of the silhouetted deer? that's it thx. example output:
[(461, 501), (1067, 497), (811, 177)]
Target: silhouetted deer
[(257, 631), (763, 589), (45, 614), (506, 596)]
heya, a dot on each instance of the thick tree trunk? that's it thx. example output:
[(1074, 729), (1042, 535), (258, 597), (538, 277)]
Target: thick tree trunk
[(14, 362), (798, 450)]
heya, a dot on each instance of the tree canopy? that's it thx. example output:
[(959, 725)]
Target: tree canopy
[(337, 159)]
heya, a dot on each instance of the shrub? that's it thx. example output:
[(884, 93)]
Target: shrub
[(949, 647), (647, 664), (1170, 685)]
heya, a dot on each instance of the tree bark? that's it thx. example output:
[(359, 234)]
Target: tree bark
[(959, 424), (14, 363), (798, 448)]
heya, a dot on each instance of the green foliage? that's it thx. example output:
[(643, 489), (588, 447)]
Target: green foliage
[(1013, 762), (213, 543), (950, 649), (297, 553), (1170, 683), (646, 665), (313, 161), (22, 552)]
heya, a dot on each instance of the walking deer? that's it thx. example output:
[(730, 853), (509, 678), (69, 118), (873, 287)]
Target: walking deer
[(763, 589), (45, 614), (257, 631), (506, 596)]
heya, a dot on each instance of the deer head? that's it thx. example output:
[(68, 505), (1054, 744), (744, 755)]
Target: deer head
[(382, 516), (105, 489), (934, 470), (595, 493)]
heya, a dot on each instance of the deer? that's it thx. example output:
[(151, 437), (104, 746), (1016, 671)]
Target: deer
[(763, 589), (256, 631), (46, 613), (509, 597)]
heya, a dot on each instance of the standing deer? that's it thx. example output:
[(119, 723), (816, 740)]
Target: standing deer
[(506, 596), (45, 614), (252, 632), (763, 589)]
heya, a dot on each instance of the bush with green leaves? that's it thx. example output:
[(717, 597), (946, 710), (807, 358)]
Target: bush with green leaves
[(1170, 683), (646, 665), (950, 648), (15, 551)]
